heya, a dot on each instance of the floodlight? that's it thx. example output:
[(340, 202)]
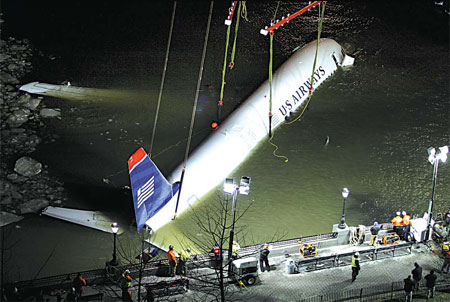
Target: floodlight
[(244, 187), (442, 155), (114, 227), (345, 192), (431, 155), (228, 186)]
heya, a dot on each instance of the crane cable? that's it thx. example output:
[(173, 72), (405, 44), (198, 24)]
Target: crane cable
[(194, 109), (321, 14), (163, 77)]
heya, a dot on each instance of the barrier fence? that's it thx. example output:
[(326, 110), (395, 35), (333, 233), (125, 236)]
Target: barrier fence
[(382, 292)]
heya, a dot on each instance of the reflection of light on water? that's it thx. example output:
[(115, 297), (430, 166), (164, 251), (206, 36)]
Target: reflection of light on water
[(94, 94)]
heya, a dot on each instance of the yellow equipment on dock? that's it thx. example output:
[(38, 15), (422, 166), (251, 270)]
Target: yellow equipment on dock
[(308, 250), (391, 238)]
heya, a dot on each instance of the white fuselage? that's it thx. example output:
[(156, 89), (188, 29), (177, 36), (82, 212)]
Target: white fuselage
[(225, 149)]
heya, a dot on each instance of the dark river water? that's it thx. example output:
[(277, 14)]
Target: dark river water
[(380, 115)]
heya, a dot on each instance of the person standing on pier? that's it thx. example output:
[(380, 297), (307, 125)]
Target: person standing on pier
[(79, 283), (397, 223), (406, 222), (430, 280), (185, 255), (417, 275), (408, 288), (218, 255), (264, 258), (374, 233), (235, 250), (172, 261), (355, 266), (125, 284)]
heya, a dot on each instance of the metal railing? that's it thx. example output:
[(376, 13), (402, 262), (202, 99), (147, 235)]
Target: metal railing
[(101, 276), (382, 292), (336, 260)]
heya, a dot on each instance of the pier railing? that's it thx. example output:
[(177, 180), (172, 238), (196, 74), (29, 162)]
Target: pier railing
[(159, 267), (156, 267), (343, 259)]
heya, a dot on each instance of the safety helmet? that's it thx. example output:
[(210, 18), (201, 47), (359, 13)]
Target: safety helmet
[(188, 250), (404, 213), (127, 271), (170, 247), (375, 223), (398, 213), (356, 253)]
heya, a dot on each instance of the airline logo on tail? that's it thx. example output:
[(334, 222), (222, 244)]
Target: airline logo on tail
[(151, 191), (146, 191)]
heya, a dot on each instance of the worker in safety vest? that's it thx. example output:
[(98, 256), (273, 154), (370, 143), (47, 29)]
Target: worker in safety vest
[(172, 257), (217, 255), (406, 222), (185, 255), (235, 248), (125, 284), (355, 265), (79, 283), (397, 223)]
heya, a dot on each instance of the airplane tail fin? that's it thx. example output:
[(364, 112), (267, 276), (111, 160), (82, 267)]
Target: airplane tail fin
[(151, 190)]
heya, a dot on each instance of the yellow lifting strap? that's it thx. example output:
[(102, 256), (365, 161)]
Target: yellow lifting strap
[(233, 51), (224, 65), (274, 152), (231, 65)]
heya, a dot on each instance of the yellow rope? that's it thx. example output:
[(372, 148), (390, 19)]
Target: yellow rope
[(271, 134), (321, 14), (178, 143), (286, 159)]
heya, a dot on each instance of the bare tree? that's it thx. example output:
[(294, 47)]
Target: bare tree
[(214, 224), (135, 256)]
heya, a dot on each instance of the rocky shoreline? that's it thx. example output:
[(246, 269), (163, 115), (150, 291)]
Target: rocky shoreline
[(25, 184)]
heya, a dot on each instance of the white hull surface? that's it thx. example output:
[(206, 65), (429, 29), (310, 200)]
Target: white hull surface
[(91, 219), (225, 149)]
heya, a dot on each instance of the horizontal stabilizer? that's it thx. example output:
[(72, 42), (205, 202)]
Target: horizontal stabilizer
[(151, 190)]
